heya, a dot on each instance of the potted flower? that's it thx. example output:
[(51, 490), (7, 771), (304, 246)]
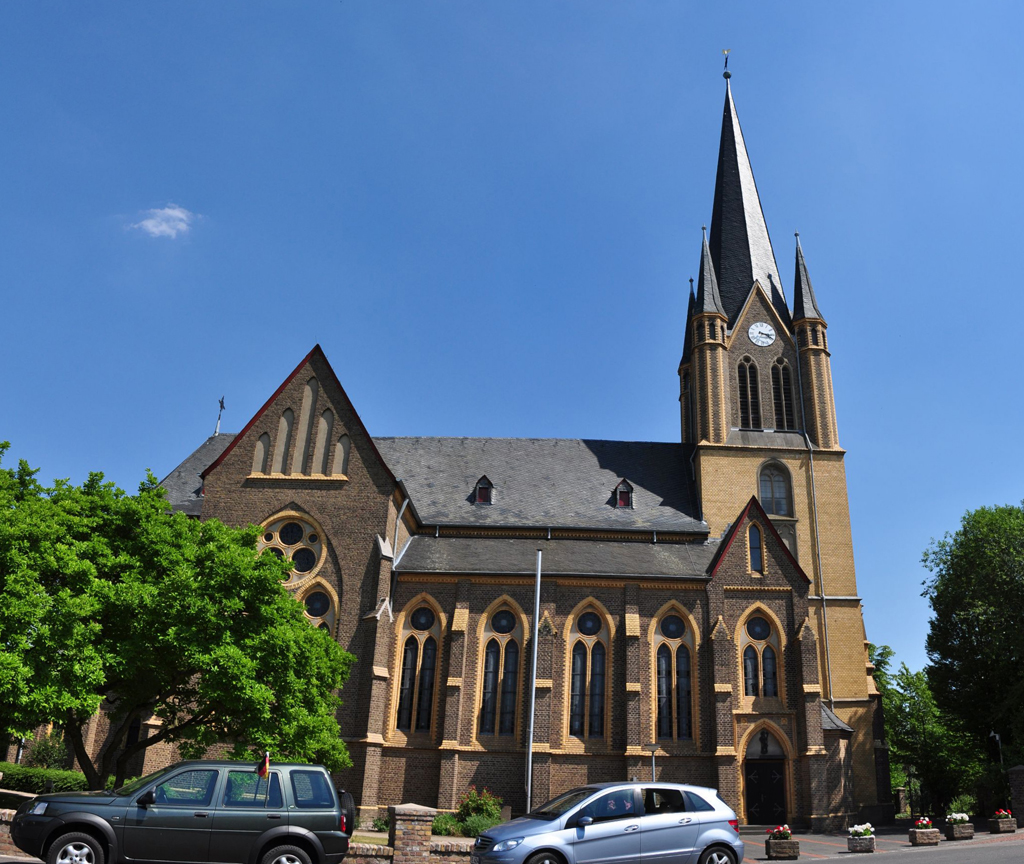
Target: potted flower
[(1002, 822), (861, 839), (780, 845), (923, 833), (959, 827)]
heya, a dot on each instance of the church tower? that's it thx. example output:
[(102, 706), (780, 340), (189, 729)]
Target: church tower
[(758, 409)]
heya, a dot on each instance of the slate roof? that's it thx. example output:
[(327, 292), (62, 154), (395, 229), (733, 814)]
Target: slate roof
[(184, 483), (830, 722), (547, 482), (708, 298), (741, 249), (805, 305), (761, 439), (518, 557)]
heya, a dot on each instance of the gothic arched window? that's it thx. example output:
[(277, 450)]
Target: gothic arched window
[(421, 635), (750, 395), (500, 680), (588, 665), (782, 395), (673, 665), (775, 497), (761, 672)]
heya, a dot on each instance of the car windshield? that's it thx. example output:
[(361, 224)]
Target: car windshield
[(562, 804), (136, 785)]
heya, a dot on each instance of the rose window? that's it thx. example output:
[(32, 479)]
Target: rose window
[(297, 540)]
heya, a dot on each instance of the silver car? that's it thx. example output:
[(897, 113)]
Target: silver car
[(619, 823)]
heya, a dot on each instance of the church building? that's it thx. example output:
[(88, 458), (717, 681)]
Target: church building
[(698, 597)]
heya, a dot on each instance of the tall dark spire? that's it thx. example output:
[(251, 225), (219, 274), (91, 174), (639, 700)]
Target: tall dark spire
[(804, 303), (741, 250), (708, 297), (689, 317)]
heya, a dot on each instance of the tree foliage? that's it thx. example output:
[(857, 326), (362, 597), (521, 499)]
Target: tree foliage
[(975, 642), (109, 600), (940, 754)]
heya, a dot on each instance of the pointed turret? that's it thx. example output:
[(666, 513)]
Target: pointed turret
[(709, 300), (741, 251), (804, 303), (687, 341)]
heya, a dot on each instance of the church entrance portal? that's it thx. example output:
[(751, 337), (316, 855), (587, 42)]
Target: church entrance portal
[(764, 775)]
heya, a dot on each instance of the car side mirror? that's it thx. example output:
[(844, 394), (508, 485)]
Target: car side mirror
[(584, 821), (146, 798)]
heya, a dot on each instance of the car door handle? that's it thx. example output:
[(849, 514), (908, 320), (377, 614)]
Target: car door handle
[(685, 821), (200, 814), (631, 828), (273, 815)]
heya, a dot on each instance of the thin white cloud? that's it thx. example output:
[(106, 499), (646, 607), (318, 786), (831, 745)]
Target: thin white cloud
[(169, 221)]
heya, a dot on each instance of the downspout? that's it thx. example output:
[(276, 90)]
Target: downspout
[(817, 539)]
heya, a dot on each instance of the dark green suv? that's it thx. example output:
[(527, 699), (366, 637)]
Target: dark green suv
[(195, 812)]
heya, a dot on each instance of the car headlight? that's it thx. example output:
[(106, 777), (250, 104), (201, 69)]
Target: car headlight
[(37, 809), (505, 845)]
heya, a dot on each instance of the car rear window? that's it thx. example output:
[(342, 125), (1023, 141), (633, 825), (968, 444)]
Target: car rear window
[(695, 802), (247, 789), (312, 790)]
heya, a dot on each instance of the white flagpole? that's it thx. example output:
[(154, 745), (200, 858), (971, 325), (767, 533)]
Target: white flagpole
[(533, 689)]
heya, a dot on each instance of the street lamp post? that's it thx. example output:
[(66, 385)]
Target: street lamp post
[(654, 749)]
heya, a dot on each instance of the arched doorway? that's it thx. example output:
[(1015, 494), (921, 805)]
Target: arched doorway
[(764, 779)]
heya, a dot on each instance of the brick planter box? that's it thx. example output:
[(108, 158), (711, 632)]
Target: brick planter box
[(964, 831), (782, 850), (860, 844), (924, 836), (1002, 826)]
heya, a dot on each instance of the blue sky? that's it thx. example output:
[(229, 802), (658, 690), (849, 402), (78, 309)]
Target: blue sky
[(487, 212)]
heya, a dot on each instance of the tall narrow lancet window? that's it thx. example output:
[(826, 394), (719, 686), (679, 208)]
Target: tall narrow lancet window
[(761, 651), (588, 693), (750, 395), (756, 550), (673, 647), (782, 395), (300, 464), (775, 497), (750, 671), (420, 635), (261, 454), (322, 453), (341, 451), (503, 632), (284, 440)]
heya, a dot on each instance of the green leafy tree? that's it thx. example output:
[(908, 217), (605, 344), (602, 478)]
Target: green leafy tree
[(943, 757), (975, 642), (110, 598)]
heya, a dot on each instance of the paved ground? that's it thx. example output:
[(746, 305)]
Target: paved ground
[(983, 849)]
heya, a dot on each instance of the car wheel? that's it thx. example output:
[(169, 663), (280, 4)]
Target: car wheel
[(75, 848), (544, 858), (286, 855), (718, 855)]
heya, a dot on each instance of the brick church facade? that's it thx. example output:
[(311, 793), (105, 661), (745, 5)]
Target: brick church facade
[(697, 598)]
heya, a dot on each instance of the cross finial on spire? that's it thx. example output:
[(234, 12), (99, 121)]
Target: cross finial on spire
[(797, 235), (691, 284), (726, 74), (221, 411)]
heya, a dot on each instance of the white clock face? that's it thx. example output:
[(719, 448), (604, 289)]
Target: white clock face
[(761, 334)]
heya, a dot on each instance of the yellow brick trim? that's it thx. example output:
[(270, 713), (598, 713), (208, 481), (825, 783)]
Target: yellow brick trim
[(771, 589), (723, 688), (632, 623), (812, 688), (381, 672), (632, 686), (460, 620), (544, 684), (816, 750), (725, 751), (454, 682)]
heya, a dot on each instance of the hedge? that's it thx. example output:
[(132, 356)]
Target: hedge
[(21, 778)]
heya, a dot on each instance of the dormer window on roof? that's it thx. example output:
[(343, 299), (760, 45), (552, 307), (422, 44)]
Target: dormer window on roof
[(624, 494), (484, 493)]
